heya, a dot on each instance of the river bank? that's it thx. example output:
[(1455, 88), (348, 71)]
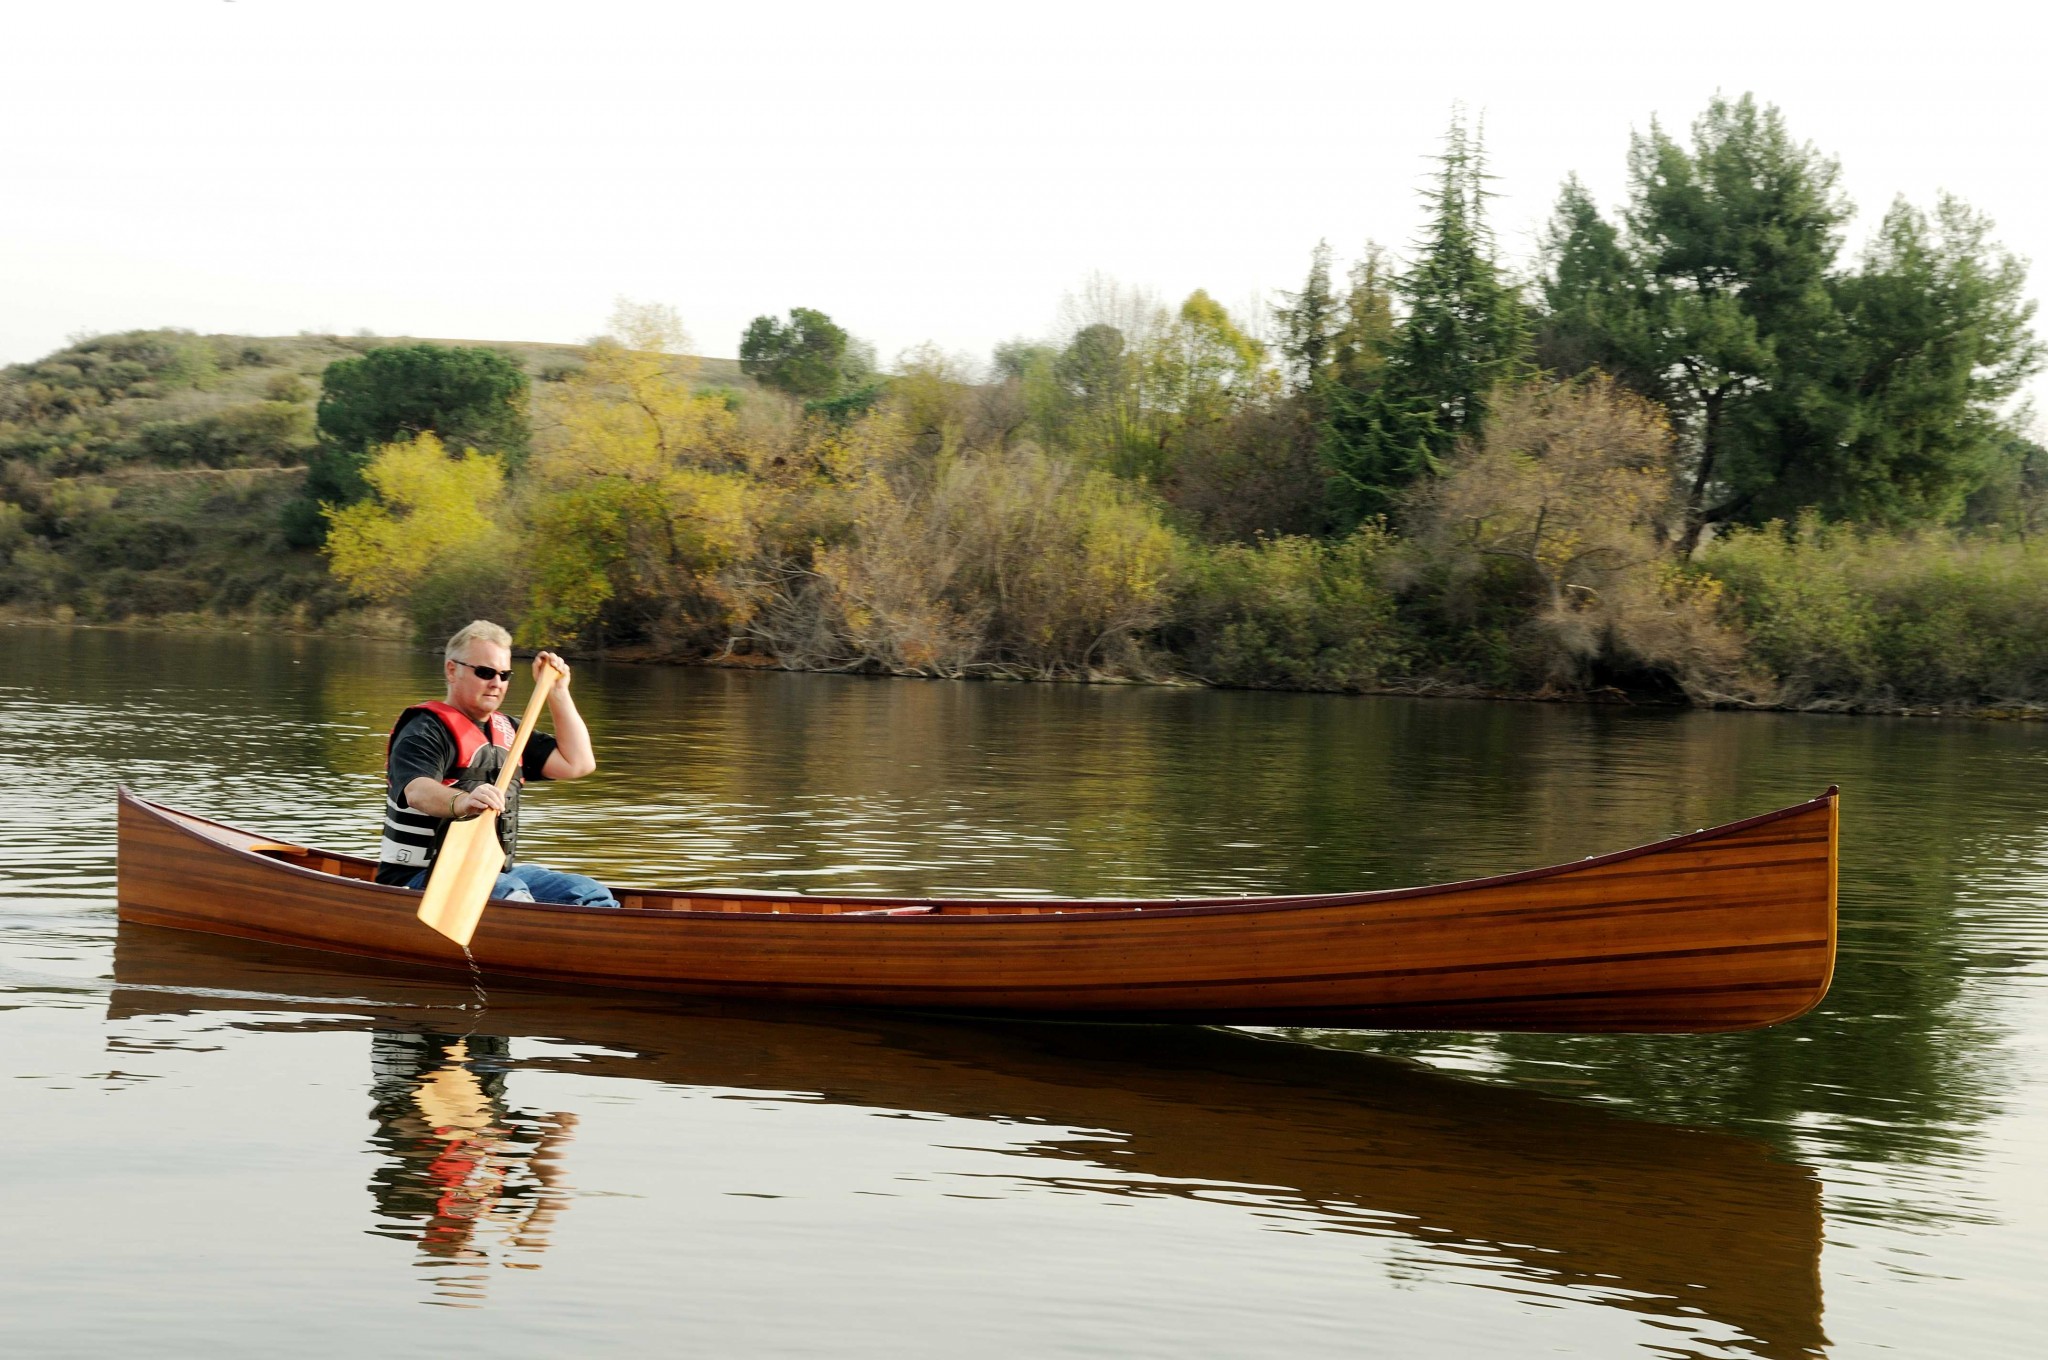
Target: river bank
[(156, 480), (385, 625)]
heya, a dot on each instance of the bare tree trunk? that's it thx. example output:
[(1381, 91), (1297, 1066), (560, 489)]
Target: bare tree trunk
[(1697, 514)]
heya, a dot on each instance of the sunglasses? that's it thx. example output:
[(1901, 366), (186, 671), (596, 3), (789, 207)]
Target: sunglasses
[(486, 672)]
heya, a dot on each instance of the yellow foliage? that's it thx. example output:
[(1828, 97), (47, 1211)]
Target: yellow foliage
[(637, 506), (428, 510), (1573, 481), (1008, 561), (1572, 488), (632, 411), (935, 396)]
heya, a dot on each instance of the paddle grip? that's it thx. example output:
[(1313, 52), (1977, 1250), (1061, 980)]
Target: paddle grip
[(526, 721)]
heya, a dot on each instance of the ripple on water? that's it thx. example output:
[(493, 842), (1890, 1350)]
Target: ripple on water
[(1306, 1194)]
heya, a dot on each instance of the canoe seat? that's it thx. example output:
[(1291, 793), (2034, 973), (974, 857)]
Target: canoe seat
[(314, 860)]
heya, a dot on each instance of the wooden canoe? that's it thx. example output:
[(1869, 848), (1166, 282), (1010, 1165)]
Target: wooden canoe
[(1727, 928)]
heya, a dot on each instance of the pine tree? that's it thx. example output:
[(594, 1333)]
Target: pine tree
[(1308, 323), (1463, 331), (1939, 342), (1735, 240), (1871, 394), (1359, 353), (1592, 311)]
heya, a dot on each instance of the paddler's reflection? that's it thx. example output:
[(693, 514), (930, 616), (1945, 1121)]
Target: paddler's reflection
[(1712, 1237), (475, 1182)]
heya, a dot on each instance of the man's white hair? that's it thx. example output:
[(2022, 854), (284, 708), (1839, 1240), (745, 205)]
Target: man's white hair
[(477, 630)]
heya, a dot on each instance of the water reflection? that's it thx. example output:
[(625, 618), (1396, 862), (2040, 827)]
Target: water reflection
[(1708, 1233), (473, 1181), (1913, 1090)]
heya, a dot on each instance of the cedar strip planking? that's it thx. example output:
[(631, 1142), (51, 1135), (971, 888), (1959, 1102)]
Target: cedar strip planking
[(1727, 928)]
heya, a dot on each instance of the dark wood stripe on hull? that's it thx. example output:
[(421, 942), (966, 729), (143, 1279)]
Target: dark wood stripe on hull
[(1704, 932)]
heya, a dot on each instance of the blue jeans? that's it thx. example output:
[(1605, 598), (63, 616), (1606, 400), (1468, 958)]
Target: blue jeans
[(531, 883)]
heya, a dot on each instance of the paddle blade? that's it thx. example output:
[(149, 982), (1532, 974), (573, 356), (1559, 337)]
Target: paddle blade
[(464, 873)]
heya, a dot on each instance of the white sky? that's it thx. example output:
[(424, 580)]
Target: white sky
[(942, 172)]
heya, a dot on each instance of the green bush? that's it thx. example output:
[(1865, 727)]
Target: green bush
[(1880, 619), (142, 543), (287, 387), (264, 433), (1472, 628), (1291, 613)]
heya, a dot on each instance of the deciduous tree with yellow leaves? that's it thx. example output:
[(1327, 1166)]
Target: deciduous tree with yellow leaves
[(638, 507), (432, 521)]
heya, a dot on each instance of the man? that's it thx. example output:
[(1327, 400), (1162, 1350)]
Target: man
[(444, 757)]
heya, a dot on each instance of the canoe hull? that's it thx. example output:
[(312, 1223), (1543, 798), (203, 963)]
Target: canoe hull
[(1731, 928)]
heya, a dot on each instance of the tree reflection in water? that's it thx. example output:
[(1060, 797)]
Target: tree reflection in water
[(474, 1181)]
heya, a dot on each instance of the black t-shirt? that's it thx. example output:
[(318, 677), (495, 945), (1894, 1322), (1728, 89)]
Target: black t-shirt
[(424, 749)]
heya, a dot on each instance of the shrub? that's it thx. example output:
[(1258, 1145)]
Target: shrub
[(264, 433), (634, 560), (1880, 619), (140, 542), (1292, 613), (1255, 474), (1005, 561), (427, 512), (1559, 514), (14, 529), (105, 368), (287, 387)]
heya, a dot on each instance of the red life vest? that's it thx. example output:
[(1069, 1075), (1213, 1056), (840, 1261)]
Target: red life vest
[(469, 738), (412, 839)]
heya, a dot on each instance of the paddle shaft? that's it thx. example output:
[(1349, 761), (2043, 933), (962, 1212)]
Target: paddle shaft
[(467, 867), (541, 690)]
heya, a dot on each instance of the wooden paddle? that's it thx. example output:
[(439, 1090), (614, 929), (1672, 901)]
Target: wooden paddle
[(467, 868)]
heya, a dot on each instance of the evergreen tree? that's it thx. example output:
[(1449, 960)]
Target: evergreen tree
[(1463, 332), (810, 356), (1939, 342), (468, 395), (1366, 335), (1309, 322), (1872, 394), (1592, 311), (1734, 242)]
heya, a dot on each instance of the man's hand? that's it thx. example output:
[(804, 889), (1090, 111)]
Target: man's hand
[(474, 801), (550, 659)]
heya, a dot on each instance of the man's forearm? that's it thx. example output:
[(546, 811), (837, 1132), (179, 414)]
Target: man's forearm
[(432, 797)]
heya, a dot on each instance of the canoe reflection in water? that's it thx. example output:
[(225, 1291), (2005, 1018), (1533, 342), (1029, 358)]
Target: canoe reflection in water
[(475, 1182), (1711, 1236)]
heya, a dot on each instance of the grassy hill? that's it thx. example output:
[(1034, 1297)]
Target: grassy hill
[(143, 475)]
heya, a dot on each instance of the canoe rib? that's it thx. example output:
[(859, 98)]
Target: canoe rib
[(1727, 928)]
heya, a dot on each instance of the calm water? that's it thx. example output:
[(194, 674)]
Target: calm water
[(221, 1151)]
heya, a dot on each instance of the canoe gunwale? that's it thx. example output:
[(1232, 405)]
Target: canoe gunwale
[(1086, 909)]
